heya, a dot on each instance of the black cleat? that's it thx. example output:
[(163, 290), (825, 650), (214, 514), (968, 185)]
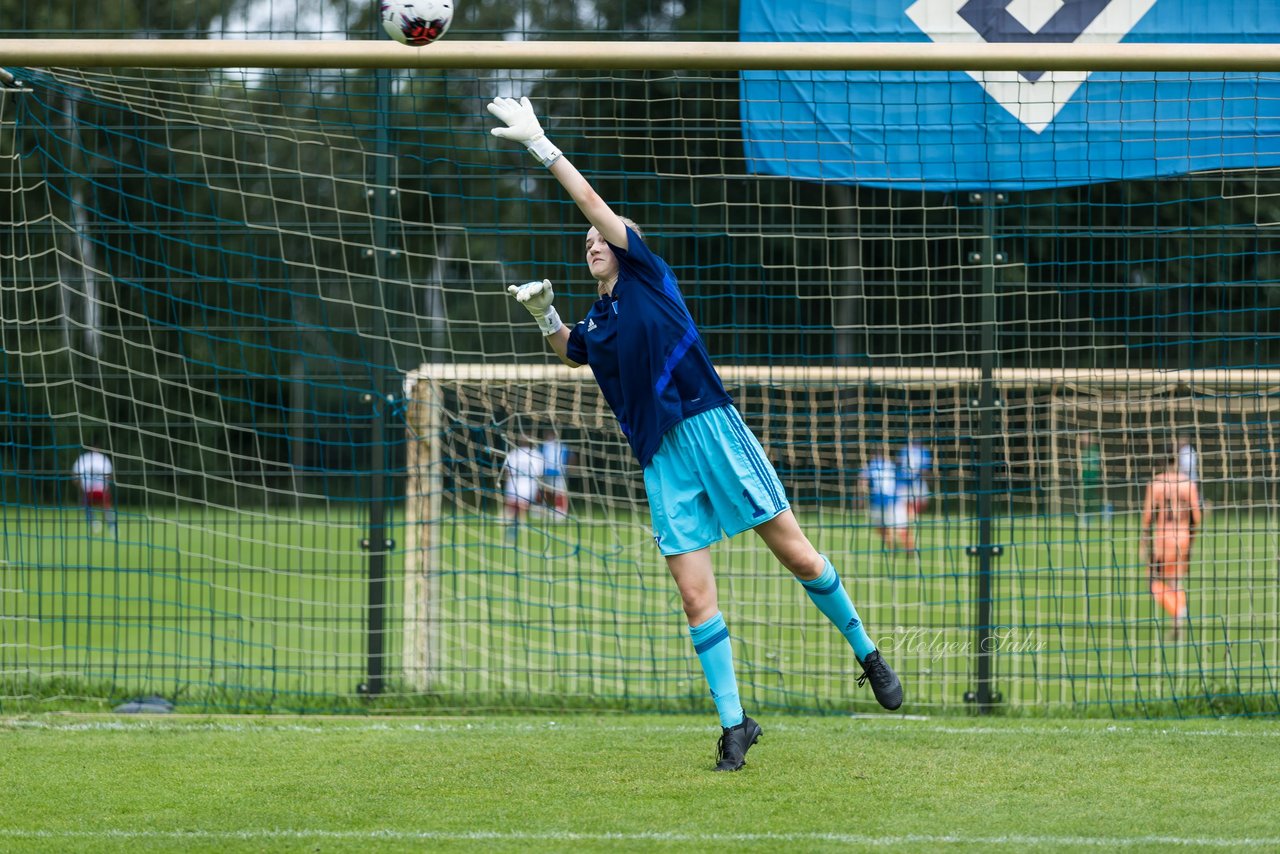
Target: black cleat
[(884, 682), (731, 751)]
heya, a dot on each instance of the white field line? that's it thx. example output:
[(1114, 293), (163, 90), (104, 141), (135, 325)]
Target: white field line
[(157, 723), (299, 835)]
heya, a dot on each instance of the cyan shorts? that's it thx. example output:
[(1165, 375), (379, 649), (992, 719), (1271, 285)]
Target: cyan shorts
[(709, 478)]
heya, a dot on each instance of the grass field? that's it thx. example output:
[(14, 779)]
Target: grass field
[(633, 782), (226, 611)]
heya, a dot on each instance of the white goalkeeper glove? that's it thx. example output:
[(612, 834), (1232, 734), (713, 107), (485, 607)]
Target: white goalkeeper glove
[(522, 126), (536, 298)]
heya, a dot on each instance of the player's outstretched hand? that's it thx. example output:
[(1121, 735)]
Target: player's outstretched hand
[(521, 123), (536, 297)]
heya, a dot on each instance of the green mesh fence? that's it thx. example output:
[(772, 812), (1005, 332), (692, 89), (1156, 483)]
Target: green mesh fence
[(276, 302)]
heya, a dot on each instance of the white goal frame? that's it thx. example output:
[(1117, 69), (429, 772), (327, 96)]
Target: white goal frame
[(425, 481)]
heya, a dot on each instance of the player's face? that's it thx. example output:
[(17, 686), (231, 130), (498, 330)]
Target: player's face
[(600, 258)]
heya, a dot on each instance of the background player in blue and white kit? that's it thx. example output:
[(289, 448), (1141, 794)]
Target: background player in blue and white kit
[(915, 470), (705, 474), (556, 459), (886, 506)]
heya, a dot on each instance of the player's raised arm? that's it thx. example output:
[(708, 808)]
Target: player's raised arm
[(522, 126)]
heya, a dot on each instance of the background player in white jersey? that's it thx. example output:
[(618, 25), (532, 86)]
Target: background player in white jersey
[(705, 474), (93, 474), (556, 459), (521, 471)]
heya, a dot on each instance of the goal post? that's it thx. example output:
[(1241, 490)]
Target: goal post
[(269, 278)]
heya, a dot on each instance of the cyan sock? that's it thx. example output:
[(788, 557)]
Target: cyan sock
[(711, 643), (832, 599)]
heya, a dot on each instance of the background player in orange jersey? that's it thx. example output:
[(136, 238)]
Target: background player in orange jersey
[(1170, 519)]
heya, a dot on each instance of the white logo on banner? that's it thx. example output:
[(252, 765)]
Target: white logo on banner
[(1033, 97)]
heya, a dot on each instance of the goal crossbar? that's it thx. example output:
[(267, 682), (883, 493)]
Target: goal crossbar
[(656, 55)]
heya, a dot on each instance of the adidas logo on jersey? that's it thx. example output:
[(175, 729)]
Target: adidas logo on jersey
[(591, 325)]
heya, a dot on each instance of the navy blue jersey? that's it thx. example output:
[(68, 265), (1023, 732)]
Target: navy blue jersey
[(645, 351)]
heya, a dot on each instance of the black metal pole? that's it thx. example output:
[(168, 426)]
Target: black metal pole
[(986, 403), (378, 542)]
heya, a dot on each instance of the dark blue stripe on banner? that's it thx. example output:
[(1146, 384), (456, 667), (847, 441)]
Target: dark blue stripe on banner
[(721, 635)]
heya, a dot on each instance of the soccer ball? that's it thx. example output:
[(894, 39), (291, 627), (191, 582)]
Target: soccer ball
[(418, 22)]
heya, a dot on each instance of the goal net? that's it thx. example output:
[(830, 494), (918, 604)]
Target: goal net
[(276, 300), (577, 607)]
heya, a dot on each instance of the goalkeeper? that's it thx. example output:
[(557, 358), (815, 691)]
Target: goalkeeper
[(704, 472)]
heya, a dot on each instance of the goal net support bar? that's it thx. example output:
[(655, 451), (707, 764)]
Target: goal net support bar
[(704, 56)]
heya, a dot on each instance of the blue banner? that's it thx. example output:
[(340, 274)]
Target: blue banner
[(1007, 130)]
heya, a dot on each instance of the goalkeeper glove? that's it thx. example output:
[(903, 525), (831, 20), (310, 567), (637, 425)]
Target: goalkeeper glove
[(536, 298), (522, 126)]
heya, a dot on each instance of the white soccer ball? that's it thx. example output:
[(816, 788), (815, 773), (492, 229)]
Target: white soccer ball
[(417, 23)]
